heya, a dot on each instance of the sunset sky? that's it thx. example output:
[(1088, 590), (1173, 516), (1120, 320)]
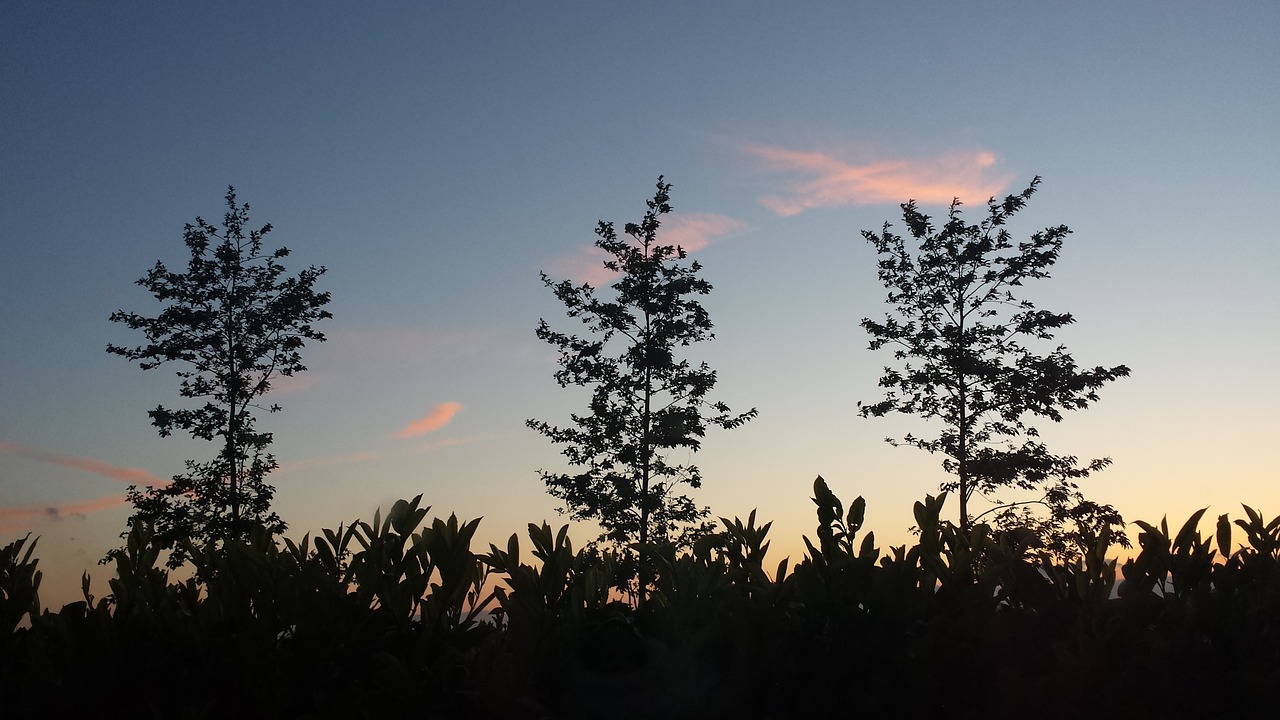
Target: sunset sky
[(436, 156)]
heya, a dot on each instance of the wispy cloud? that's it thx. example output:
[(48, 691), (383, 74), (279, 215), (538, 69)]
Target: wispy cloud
[(695, 231), (439, 416), (401, 348), (25, 516), (692, 231), (584, 266), (133, 476), (297, 384), (832, 181), (327, 461), (400, 450)]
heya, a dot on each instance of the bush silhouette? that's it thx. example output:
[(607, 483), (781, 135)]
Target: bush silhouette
[(402, 617)]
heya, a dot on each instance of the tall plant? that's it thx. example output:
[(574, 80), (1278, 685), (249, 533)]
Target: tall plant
[(646, 400), (975, 356), (233, 322)]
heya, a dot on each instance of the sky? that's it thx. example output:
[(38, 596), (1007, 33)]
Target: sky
[(435, 157)]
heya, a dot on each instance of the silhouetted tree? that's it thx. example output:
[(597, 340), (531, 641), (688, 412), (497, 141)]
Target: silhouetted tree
[(964, 346), (234, 322), (645, 400)]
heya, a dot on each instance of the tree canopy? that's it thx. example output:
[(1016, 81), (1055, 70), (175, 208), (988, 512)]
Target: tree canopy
[(646, 399), (233, 322), (971, 353)]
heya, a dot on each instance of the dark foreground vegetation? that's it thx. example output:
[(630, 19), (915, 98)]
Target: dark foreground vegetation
[(403, 618)]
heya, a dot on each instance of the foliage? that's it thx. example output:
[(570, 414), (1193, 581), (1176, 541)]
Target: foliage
[(645, 399), (390, 619), (551, 614), (19, 584), (235, 323), (967, 353), (374, 619)]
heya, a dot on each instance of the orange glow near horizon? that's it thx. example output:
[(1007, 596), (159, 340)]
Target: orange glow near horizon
[(936, 180), (439, 416)]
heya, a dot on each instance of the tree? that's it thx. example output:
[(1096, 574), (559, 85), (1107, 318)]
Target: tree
[(645, 400), (234, 322), (966, 350)]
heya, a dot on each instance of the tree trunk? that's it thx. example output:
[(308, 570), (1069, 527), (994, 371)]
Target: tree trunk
[(963, 465), (645, 452), (233, 465), (963, 429), (233, 396)]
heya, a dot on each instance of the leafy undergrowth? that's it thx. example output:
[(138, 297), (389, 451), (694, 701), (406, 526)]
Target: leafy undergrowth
[(403, 618)]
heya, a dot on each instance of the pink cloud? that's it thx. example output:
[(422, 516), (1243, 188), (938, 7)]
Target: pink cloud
[(439, 416), (693, 232), (584, 266), (696, 231), (833, 181), (134, 476), (25, 516)]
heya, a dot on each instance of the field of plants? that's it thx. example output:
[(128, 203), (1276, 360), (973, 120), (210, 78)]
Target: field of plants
[(401, 617)]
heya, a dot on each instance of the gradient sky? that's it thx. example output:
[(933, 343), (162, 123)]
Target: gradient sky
[(436, 156)]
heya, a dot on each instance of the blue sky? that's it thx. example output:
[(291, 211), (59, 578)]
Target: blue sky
[(436, 156)]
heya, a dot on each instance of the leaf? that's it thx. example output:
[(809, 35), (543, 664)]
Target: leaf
[(1188, 535), (1224, 536), (857, 510), (868, 550)]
